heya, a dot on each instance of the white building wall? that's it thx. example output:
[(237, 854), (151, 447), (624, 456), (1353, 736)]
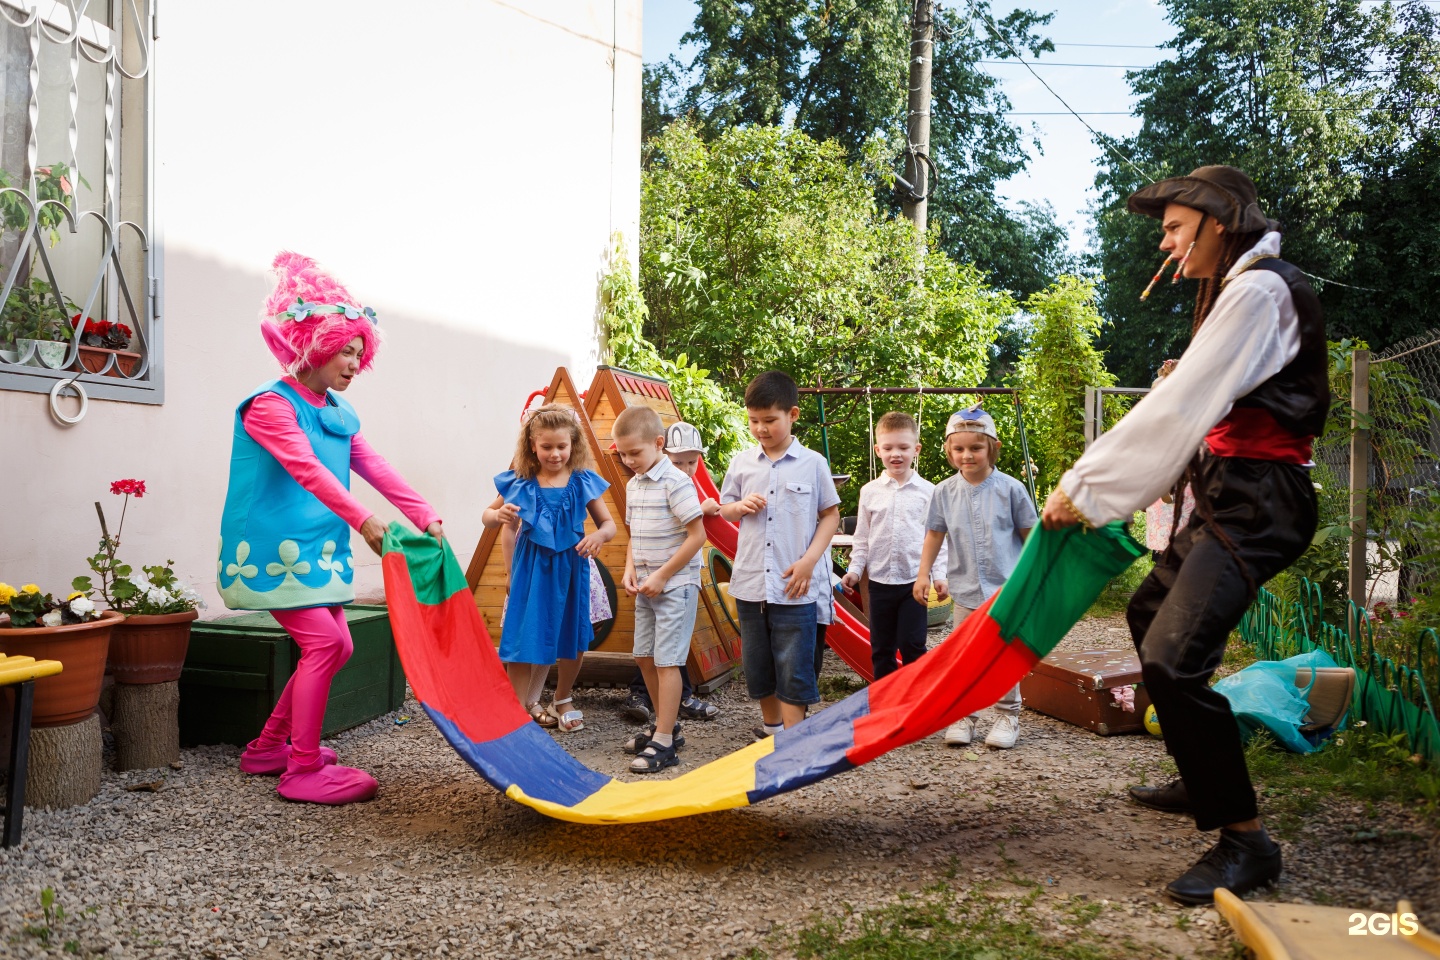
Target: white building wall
[(458, 164)]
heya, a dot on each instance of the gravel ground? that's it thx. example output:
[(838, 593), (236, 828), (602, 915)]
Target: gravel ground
[(214, 864)]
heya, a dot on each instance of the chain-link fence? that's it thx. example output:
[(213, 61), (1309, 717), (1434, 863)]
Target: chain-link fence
[(1405, 469), (1368, 590), (1396, 422)]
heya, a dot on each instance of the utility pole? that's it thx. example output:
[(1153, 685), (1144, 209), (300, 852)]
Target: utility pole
[(922, 46)]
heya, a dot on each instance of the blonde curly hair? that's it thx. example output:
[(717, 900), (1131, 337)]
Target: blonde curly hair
[(552, 416)]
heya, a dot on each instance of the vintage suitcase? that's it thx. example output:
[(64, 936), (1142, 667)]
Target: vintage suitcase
[(1094, 689)]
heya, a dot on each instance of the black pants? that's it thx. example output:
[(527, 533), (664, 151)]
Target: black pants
[(819, 648), (637, 686), (1183, 613), (897, 621)]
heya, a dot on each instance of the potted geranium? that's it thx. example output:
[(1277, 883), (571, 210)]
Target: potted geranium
[(102, 339), (71, 631), (149, 645)]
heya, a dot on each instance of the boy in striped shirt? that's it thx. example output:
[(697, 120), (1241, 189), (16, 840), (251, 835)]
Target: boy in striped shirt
[(662, 573)]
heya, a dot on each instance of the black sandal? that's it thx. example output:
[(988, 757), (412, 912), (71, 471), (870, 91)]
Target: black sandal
[(654, 758), (693, 708), (640, 741)]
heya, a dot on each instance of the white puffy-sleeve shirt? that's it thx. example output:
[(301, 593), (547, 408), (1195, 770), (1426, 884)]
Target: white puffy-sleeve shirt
[(1252, 332)]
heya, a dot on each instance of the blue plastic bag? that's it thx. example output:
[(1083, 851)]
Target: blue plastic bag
[(1264, 695)]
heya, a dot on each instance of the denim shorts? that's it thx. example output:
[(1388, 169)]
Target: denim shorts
[(664, 625), (777, 648)]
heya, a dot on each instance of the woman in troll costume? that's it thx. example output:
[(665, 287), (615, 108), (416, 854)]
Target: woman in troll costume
[(285, 532)]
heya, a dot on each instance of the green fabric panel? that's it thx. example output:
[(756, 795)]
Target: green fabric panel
[(1058, 577), (435, 574)]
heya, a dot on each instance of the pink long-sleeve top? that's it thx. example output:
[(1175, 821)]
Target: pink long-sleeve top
[(271, 422)]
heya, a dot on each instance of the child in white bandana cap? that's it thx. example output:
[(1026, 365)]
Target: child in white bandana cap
[(983, 516)]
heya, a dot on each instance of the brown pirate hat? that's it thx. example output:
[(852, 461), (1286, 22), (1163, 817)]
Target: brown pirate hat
[(1225, 193)]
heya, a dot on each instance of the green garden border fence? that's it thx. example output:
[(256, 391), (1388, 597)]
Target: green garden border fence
[(1391, 697)]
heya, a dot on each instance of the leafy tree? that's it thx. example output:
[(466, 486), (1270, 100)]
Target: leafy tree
[(701, 401), (765, 249), (1329, 105), (838, 70), (1058, 363)]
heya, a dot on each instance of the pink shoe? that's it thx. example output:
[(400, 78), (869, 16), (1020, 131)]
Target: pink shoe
[(334, 785), (269, 761)]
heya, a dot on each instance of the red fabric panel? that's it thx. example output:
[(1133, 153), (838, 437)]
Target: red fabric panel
[(968, 673), (1253, 433), (462, 673)]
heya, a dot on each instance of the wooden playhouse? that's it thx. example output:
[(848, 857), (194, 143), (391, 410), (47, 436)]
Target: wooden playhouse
[(715, 646)]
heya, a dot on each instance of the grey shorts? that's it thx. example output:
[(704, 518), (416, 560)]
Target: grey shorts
[(664, 625)]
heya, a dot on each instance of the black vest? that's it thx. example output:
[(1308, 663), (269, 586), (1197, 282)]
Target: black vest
[(1298, 397)]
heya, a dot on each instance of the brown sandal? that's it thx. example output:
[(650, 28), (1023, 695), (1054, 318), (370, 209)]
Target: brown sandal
[(542, 716)]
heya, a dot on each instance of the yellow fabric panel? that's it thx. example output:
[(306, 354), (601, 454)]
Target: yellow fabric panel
[(723, 784), (20, 669)]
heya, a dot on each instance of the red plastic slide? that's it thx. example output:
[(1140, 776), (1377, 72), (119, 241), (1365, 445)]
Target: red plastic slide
[(849, 638)]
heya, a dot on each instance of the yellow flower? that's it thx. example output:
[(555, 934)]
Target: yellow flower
[(29, 588), (6, 592), (74, 594)]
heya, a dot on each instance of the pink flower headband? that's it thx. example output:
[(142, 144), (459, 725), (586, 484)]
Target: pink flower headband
[(303, 311)]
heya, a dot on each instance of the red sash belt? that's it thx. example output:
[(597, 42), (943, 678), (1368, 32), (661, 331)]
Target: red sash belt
[(1253, 433)]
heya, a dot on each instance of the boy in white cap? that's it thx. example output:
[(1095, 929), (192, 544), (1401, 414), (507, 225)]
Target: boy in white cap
[(983, 516)]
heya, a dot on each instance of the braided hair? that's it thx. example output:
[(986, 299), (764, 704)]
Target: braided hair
[(1232, 245)]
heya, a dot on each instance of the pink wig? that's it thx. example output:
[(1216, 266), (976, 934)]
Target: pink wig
[(313, 341)]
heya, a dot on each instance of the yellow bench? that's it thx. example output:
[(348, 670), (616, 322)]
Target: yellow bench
[(21, 673)]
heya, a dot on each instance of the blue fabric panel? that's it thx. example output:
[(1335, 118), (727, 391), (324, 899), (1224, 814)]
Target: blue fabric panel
[(811, 751), (526, 757)]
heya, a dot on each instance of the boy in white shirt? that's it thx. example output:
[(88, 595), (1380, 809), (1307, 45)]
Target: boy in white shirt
[(783, 497), (889, 535)]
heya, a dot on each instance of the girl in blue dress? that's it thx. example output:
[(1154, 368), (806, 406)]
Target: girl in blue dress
[(548, 494)]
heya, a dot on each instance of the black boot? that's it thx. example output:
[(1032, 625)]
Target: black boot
[(1240, 862), (1171, 798)]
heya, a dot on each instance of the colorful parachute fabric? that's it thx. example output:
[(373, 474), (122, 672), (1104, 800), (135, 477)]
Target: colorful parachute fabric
[(456, 675)]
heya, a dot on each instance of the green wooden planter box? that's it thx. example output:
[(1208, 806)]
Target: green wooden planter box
[(237, 667)]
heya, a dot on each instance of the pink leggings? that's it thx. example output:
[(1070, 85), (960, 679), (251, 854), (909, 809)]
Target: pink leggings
[(325, 645)]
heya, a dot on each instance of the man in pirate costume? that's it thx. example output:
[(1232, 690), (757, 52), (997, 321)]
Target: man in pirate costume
[(1234, 420)]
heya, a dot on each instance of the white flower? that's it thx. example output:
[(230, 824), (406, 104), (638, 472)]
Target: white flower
[(158, 597), (51, 619), (141, 581), (82, 606)]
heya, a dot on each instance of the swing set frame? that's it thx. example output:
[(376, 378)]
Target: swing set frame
[(820, 393)]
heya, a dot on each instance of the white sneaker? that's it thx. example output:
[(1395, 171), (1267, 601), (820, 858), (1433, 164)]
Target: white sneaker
[(1004, 733), (961, 733)]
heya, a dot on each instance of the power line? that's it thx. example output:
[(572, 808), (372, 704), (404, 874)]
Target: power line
[(1147, 66), (975, 12), (1131, 113), (1114, 46), (1053, 63)]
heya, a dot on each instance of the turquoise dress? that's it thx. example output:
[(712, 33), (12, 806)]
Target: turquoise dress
[(280, 547), (548, 614)]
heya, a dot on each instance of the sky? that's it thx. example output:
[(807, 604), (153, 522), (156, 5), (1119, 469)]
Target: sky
[(1062, 170)]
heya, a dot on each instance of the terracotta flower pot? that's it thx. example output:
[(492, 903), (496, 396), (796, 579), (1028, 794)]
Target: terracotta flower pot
[(73, 694), (95, 359), (150, 649)]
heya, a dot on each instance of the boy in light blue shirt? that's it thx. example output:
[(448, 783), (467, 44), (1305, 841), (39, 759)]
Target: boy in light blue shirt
[(783, 497), (983, 516)]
